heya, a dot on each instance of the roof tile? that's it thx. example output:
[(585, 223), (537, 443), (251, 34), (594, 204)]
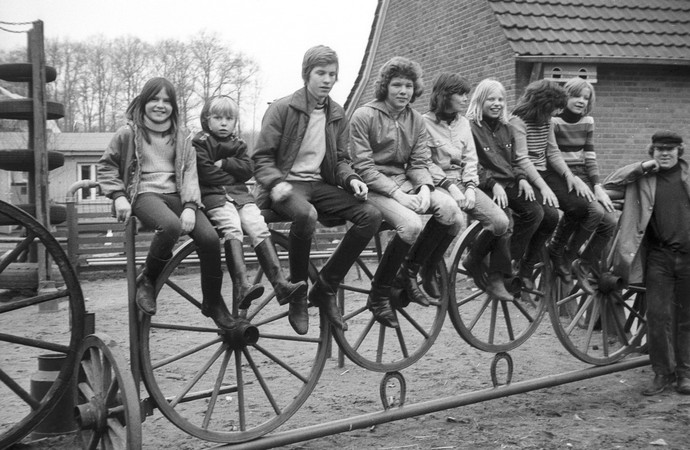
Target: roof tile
[(597, 28)]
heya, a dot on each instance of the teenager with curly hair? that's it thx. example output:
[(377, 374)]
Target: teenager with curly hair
[(390, 152)]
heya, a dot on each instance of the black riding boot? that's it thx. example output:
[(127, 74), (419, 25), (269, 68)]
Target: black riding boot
[(146, 295), (557, 248), (428, 271), (242, 291), (323, 293), (298, 255), (590, 255), (474, 263), (379, 297), (427, 241), (286, 292), (213, 305)]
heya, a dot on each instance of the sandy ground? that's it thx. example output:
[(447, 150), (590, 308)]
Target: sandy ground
[(606, 412)]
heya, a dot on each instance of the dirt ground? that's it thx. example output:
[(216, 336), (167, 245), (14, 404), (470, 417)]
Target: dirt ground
[(606, 412)]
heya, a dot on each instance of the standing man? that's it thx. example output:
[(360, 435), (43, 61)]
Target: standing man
[(302, 169), (654, 247)]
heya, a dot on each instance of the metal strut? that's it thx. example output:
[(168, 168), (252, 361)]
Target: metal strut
[(427, 407)]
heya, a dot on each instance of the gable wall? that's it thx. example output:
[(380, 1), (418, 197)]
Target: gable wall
[(455, 36)]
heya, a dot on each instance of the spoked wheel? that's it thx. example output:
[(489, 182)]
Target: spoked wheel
[(107, 400), (226, 385), (488, 323), (379, 348), (33, 321), (602, 326)]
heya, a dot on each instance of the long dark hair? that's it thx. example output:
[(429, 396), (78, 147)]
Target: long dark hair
[(540, 99), (137, 108), (445, 86)]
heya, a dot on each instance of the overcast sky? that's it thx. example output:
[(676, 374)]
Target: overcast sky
[(275, 33)]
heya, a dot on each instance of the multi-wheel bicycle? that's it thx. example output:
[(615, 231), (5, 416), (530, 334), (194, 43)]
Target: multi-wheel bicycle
[(236, 385)]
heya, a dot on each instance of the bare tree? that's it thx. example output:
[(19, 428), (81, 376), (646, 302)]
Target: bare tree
[(132, 57), (174, 62)]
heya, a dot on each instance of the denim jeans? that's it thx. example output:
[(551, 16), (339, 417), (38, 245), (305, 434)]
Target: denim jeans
[(668, 311), (161, 213), (408, 224), (526, 218), (232, 222)]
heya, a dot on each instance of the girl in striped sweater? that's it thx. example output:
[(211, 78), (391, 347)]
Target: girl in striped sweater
[(574, 131), (534, 139)]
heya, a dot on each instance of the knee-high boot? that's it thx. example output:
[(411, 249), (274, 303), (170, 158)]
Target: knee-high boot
[(474, 263), (213, 304), (557, 248), (323, 293), (590, 255), (379, 298), (242, 291), (146, 295), (298, 255), (428, 270), (427, 241), (286, 292)]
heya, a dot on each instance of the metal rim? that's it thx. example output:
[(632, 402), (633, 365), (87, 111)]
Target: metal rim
[(228, 394), (600, 327), (39, 408), (375, 347), (107, 399), (484, 322)]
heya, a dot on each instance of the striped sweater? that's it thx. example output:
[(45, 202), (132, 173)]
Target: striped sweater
[(575, 138)]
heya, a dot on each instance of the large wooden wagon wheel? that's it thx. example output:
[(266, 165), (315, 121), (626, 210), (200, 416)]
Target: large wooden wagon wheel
[(227, 386), (488, 323), (107, 399), (34, 322), (379, 348), (601, 326)]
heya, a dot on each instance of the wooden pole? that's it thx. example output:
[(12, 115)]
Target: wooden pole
[(38, 141)]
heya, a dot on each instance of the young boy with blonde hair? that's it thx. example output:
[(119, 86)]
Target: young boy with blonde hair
[(224, 166)]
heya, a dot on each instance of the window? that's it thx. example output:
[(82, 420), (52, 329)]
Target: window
[(87, 172), (564, 72)]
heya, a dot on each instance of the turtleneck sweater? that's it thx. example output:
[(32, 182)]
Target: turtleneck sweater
[(157, 160), (575, 138)]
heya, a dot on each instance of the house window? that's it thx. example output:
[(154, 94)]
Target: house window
[(87, 172), (564, 72)]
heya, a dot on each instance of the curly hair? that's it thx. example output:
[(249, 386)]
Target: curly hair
[(485, 88), (574, 88), (540, 100), (399, 66), (445, 86)]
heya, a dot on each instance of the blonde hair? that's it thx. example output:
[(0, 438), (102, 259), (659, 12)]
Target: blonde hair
[(574, 88), (481, 93)]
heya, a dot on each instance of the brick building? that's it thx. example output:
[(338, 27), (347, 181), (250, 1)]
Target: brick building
[(635, 52)]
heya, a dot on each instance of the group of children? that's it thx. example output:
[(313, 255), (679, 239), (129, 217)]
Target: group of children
[(390, 163)]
